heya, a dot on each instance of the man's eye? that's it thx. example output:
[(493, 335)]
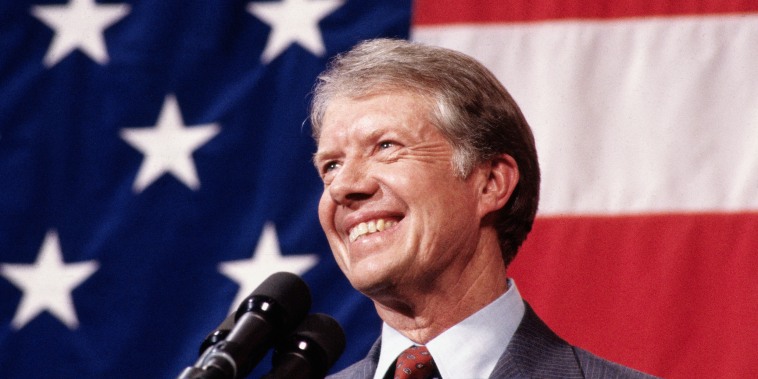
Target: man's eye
[(330, 166), (386, 144)]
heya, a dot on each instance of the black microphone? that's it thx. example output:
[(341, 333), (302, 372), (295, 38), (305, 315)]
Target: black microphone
[(219, 334), (272, 311), (310, 350)]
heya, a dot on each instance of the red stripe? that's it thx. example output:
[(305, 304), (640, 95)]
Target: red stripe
[(433, 12), (674, 295)]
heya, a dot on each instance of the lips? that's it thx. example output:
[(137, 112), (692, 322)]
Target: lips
[(370, 227)]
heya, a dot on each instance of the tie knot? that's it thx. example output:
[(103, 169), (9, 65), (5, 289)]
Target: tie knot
[(414, 362)]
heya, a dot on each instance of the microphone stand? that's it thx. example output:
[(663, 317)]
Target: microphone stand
[(274, 309), (214, 363)]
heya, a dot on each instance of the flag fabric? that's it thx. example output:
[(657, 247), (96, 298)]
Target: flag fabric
[(155, 163), (645, 116), (155, 168)]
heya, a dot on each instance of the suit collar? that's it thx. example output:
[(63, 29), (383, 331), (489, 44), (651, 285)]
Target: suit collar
[(536, 351)]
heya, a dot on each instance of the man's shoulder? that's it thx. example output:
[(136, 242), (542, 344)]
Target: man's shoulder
[(363, 369), (536, 351), (360, 369), (594, 366)]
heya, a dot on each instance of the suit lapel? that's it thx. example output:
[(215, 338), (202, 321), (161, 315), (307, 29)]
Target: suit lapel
[(535, 351), (363, 369)]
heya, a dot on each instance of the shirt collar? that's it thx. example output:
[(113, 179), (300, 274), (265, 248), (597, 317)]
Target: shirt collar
[(486, 334)]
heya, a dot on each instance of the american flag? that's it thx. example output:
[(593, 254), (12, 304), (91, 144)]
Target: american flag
[(155, 168)]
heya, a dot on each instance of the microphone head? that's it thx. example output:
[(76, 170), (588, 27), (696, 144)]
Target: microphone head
[(313, 347), (326, 332), (288, 293), (218, 334)]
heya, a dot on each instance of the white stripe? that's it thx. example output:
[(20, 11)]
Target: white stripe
[(631, 116)]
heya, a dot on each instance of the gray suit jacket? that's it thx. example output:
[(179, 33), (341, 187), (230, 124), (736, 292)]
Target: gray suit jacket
[(534, 352)]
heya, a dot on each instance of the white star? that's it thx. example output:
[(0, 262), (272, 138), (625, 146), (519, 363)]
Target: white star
[(293, 21), (47, 284), (79, 24), (168, 147), (266, 260)]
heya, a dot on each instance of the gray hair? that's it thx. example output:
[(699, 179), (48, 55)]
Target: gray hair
[(467, 104)]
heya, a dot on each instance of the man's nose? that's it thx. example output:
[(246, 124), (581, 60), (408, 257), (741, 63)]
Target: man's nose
[(352, 184)]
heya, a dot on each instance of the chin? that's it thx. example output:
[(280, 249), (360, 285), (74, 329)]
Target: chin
[(369, 281)]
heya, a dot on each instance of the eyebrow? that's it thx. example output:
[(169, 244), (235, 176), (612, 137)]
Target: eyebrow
[(320, 156), (326, 155)]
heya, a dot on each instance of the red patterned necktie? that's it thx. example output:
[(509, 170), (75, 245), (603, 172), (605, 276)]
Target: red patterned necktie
[(415, 362)]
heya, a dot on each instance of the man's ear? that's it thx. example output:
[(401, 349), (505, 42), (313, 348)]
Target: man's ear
[(502, 175)]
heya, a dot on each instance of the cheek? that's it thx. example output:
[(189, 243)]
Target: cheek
[(326, 213), (452, 212)]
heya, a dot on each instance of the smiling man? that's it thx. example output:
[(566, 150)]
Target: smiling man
[(431, 184)]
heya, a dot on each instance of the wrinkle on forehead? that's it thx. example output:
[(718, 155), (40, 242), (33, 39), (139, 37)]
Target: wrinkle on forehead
[(354, 126), (409, 114), (423, 102)]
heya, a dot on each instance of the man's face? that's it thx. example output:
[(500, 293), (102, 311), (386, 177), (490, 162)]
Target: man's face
[(393, 210)]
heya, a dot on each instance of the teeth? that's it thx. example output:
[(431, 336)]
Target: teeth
[(372, 226)]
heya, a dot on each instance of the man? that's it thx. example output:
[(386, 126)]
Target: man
[(431, 184)]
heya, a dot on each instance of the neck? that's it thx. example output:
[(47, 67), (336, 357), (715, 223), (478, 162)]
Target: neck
[(428, 310)]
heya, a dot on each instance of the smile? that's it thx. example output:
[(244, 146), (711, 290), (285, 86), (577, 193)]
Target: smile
[(369, 227)]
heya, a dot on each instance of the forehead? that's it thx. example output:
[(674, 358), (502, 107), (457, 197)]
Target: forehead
[(367, 116)]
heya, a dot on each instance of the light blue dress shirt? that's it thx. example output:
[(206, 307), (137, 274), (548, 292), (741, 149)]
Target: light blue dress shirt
[(471, 348)]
